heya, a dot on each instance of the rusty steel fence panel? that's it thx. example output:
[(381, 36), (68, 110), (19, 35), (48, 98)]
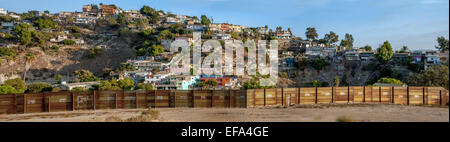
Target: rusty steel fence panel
[(8, 104), (357, 93), (401, 95), (290, 96), (106, 99), (416, 95), (341, 95), (239, 99), (34, 103), (220, 98), (162, 98), (89, 100), (433, 95), (58, 101), (183, 98), (271, 97), (126, 100), (308, 95), (386, 95), (202, 98), (325, 95), (83, 100)]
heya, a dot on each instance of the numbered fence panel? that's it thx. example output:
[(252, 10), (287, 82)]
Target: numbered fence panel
[(183, 98), (202, 98), (59, 101), (416, 95), (239, 99), (325, 95), (221, 99), (7, 104), (401, 95), (271, 97), (162, 98), (83, 100), (106, 99), (126, 100), (34, 103), (341, 95), (433, 95), (386, 95), (357, 93), (291, 96), (259, 97), (307, 95)]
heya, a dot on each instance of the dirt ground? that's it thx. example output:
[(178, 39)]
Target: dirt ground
[(300, 113)]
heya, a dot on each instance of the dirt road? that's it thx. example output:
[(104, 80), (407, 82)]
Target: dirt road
[(302, 113)]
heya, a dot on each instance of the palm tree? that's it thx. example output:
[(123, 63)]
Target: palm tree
[(29, 57)]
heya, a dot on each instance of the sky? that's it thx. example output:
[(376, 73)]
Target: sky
[(414, 23)]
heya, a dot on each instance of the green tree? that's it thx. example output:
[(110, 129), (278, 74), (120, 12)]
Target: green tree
[(437, 76), (211, 83), (143, 86), (385, 53), (126, 84), (156, 50), (45, 23), (28, 58), (331, 38), (443, 44), (17, 83), (109, 85), (85, 76), (205, 20), (39, 87), (23, 30), (319, 64), (404, 49), (368, 48), (347, 42), (311, 33)]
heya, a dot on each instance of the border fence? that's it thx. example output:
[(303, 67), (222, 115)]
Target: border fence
[(94, 100)]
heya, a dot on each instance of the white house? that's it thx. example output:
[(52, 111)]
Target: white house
[(3, 11)]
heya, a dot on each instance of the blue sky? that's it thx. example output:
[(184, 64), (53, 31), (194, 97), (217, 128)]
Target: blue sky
[(415, 23)]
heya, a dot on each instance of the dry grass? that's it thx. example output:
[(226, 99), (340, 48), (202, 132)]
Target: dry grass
[(344, 119), (146, 116)]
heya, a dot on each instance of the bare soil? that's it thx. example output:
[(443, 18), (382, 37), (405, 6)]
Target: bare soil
[(300, 113)]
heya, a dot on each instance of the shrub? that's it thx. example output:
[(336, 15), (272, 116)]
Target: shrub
[(144, 86), (78, 89), (344, 119), (94, 52), (319, 64), (18, 84), (390, 81), (39, 87), (5, 89), (69, 42)]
